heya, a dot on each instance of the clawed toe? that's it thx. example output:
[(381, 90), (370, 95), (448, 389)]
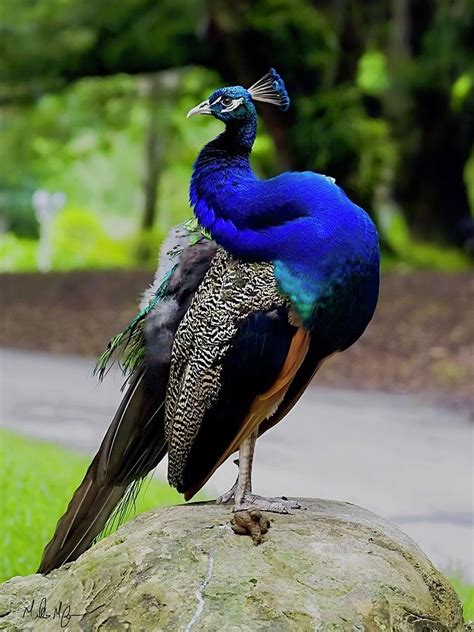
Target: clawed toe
[(291, 503), (221, 500), (276, 505)]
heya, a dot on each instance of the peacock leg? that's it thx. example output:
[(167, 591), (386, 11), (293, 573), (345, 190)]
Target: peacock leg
[(244, 478), (244, 499), (243, 482), (224, 498)]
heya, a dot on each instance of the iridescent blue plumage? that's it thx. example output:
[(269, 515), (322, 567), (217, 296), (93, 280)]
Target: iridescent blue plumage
[(324, 247)]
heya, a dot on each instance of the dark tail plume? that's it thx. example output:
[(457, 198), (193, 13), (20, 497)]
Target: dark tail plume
[(133, 446), (135, 442)]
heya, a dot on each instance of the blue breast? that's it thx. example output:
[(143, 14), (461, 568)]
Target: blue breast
[(324, 247)]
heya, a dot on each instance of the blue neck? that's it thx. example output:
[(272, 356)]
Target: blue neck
[(225, 157), (302, 218), (237, 139), (302, 222)]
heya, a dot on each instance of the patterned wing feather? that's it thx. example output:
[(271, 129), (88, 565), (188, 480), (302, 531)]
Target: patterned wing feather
[(230, 347)]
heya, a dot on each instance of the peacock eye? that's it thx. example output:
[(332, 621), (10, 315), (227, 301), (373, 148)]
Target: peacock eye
[(226, 101)]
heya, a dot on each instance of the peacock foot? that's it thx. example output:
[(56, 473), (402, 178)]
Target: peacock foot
[(276, 505), (252, 523), (224, 498)]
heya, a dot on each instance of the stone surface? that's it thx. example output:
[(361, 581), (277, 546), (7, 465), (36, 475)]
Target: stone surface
[(332, 566)]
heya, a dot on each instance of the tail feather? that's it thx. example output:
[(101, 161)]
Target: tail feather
[(86, 516), (134, 444)]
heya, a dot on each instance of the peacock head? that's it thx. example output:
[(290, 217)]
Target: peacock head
[(236, 103)]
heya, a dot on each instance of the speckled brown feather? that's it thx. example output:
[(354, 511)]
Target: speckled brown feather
[(231, 291)]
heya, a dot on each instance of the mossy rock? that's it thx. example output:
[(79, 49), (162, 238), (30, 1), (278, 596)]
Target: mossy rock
[(331, 566)]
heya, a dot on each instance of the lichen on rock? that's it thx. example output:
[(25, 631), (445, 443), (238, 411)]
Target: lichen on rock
[(333, 566)]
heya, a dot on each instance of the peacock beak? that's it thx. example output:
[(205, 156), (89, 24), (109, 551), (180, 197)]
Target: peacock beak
[(202, 108)]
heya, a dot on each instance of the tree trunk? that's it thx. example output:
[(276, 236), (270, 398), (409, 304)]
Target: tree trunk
[(436, 140), (430, 183), (153, 155)]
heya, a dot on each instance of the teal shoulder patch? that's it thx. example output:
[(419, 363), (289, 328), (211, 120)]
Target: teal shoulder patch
[(303, 293)]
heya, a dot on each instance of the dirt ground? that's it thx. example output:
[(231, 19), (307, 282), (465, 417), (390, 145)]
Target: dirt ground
[(420, 340)]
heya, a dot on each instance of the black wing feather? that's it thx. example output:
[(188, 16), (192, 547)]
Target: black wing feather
[(252, 364)]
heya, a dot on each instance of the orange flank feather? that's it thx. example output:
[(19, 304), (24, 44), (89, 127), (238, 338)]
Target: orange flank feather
[(265, 404)]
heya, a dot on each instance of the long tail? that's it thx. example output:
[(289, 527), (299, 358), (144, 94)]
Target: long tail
[(134, 444)]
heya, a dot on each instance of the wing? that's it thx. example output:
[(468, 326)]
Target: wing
[(238, 413), (235, 354), (309, 366), (135, 441)]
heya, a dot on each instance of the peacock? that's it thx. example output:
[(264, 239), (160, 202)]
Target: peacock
[(269, 279)]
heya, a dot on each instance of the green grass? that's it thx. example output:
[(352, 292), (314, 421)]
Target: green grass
[(466, 595), (37, 482)]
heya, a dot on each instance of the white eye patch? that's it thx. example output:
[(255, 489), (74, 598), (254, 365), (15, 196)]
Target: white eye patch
[(233, 106)]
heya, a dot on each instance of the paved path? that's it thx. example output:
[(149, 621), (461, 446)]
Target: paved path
[(397, 455)]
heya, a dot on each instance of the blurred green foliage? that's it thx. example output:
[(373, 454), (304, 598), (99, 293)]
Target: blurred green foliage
[(93, 104), (88, 142), (79, 242), (16, 212), (407, 253), (465, 592), (17, 254)]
